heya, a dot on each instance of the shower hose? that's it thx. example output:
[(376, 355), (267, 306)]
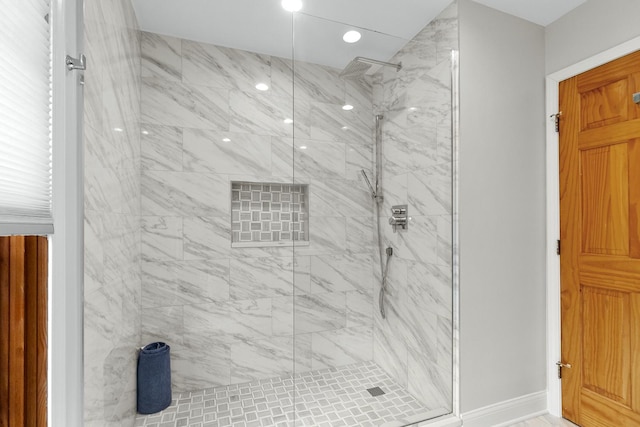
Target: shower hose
[(384, 268)]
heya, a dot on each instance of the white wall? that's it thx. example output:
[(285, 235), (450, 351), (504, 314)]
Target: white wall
[(593, 27), (502, 208)]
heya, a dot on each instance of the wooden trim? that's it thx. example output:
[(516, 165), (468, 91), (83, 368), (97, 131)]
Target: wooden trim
[(42, 321)]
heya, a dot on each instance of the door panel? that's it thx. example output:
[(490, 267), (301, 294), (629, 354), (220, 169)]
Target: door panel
[(605, 201), (600, 106), (607, 319), (600, 261)]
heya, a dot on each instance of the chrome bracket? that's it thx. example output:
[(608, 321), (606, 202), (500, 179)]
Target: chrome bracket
[(76, 63)]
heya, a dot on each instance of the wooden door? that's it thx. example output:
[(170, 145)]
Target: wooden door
[(600, 242), (23, 331)]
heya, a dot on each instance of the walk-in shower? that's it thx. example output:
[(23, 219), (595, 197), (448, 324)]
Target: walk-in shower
[(269, 168)]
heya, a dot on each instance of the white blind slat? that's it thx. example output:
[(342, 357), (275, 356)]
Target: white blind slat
[(25, 118)]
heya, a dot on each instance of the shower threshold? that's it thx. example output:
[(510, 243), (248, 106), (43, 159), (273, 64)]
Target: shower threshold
[(333, 397)]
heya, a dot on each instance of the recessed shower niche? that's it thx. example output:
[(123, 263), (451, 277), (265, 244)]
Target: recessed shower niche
[(269, 214)]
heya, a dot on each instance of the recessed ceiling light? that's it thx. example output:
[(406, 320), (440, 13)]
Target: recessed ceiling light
[(226, 140), (288, 121), (351, 36), (347, 107), (291, 5), (262, 86)]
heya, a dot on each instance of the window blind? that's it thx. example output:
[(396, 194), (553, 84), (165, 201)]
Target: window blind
[(25, 118)]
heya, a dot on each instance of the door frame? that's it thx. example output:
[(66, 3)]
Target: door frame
[(554, 390), (66, 270)]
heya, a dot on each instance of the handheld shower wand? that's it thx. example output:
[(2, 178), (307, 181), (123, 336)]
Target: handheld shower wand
[(374, 194), (366, 178)]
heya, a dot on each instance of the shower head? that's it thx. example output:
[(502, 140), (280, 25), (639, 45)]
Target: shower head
[(360, 65)]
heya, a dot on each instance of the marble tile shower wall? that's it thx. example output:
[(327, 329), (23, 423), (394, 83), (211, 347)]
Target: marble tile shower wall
[(111, 212), (414, 343), (228, 312)]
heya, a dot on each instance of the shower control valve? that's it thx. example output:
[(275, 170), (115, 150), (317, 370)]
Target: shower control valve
[(399, 217)]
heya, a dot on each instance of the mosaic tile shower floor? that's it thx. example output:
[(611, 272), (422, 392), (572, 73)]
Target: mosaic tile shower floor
[(325, 398)]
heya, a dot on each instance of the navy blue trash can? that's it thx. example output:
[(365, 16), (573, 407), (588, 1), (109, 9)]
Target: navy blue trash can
[(154, 378)]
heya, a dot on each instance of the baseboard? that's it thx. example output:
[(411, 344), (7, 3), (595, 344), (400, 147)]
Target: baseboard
[(505, 413)]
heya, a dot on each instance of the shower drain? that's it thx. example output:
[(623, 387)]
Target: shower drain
[(375, 391)]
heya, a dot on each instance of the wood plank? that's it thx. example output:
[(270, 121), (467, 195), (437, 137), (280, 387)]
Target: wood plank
[(42, 327), (23, 331), (4, 331), (31, 332), (17, 332)]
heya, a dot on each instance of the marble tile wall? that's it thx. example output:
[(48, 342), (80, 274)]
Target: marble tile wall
[(112, 212), (228, 313), (414, 342)]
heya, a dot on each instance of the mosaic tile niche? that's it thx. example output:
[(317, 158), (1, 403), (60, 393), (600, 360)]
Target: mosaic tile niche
[(269, 214)]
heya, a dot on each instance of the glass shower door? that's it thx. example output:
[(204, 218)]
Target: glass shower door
[(373, 142)]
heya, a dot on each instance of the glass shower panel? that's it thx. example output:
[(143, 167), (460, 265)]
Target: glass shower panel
[(372, 136), (268, 180), (217, 165)]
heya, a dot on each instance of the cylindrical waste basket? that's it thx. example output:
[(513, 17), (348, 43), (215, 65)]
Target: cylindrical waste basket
[(154, 378)]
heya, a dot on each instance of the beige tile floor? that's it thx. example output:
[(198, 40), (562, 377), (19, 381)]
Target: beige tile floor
[(545, 421)]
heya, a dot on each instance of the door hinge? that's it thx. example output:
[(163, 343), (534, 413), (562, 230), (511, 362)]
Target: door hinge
[(561, 365), (556, 120), (558, 247)]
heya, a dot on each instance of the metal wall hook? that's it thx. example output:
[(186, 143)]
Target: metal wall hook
[(76, 63)]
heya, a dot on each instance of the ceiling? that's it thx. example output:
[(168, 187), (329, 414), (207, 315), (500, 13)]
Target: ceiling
[(263, 26)]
